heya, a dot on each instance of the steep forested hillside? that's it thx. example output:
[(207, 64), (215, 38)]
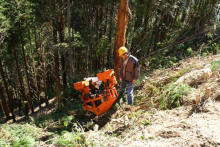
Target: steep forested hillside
[(46, 46)]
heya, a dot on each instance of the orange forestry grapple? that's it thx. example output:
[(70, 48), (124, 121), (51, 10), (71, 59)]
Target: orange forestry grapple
[(98, 93)]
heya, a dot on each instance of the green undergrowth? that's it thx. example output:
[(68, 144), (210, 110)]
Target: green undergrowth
[(173, 94), (29, 135), (64, 126), (181, 72), (70, 139), (17, 135), (58, 117), (58, 128), (140, 79), (153, 89), (215, 65), (160, 61)]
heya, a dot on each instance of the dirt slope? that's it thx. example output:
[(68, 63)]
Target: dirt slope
[(167, 128), (182, 126)]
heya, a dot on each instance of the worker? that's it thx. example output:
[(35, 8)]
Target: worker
[(129, 73)]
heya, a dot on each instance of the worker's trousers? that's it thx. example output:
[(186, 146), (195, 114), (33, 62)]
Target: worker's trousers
[(130, 87)]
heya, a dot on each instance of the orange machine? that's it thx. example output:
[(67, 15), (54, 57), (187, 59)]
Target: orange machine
[(98, 96)]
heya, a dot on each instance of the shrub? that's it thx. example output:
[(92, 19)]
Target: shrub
[(70, 139), (215, 65), (17, 135), (146, 122), (189, 51), (159, 61), (173, 95), (26, 141)]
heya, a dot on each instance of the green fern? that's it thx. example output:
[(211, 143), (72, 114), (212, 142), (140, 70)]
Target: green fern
[(17, 135), (70, 139), (173, 95)]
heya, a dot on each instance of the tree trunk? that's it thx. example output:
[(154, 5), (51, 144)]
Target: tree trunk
[(110, 51), (27, 77), (21, 82), (63, 63), (43, 75), (10, 102), (56, 67), (122, 22), (61, 31), (56, 29), (71, 59), (57, 77), (68, 18), (4, 102), (33, 70)]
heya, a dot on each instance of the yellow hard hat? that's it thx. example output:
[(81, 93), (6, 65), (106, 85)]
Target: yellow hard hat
[(122, 50)]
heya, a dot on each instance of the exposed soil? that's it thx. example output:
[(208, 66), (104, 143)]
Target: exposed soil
[(188, 125), (167, 128)]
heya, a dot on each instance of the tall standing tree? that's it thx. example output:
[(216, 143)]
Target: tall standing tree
[(57, 30), (10, 102), (122, 18), (4, 101)]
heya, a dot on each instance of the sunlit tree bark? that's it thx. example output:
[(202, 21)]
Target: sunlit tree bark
[(122, 17)]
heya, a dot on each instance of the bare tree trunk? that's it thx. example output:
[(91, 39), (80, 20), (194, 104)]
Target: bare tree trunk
[(27, 77), (7, 90), (43, 75), (4, 102), (56, 68), (63, 61), (21, 82), (56, 56), (34, 71), (68, 17), (122, 22), (70, 59), (57, 77), (110, 51)]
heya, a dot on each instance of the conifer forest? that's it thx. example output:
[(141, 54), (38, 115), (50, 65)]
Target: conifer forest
[(48, 45)]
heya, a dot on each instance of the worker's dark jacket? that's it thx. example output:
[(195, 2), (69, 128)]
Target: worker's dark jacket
[(132, 69)]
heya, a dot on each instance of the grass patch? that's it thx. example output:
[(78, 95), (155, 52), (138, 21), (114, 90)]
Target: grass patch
[(146, 122), (64, 126), (140, 79), (172, 96), (215, 65), (70, 139), (27, 135), (17, 135), (154, 92), (180, 73), (59, 117)]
